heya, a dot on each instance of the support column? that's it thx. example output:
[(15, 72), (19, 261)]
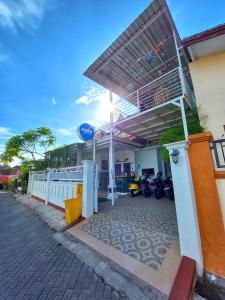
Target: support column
[(208, 203), (190, 243), (112, 191), (88, 188)]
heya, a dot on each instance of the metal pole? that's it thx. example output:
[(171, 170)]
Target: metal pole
[(111, 175), (184, 118), (180, 65), (94, 147), (183, 89)]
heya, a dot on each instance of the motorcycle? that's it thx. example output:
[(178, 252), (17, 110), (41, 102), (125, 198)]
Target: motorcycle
[(134, 187), (168, 188), (159, 186), (146, 191)]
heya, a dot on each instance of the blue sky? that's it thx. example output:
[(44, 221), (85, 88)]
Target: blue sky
[(46, 45)]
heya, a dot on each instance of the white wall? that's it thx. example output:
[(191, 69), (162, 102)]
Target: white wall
[(208, 77), (146, 158), (124, 155)]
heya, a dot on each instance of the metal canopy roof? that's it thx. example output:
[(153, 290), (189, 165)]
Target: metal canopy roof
[(151, 123), (143, 52)]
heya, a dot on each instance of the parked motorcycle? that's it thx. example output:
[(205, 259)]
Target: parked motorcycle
[(168, 188), (134, 187), (145, 188), (159, 186)]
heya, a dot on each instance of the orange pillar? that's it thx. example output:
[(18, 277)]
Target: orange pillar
[(207, 203)]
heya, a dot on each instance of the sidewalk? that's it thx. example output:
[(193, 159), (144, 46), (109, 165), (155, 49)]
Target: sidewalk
[(52, 217)]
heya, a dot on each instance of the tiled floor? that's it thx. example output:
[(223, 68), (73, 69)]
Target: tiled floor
[(141, 228)]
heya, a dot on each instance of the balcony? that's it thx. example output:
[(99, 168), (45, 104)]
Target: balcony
[(166, 88), (146, 68)]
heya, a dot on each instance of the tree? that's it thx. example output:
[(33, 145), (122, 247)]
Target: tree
[(175, 134), (29, 146)]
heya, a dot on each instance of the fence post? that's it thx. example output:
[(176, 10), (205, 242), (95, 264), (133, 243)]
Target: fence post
[(189, 236), (48, 185), (30, 181), (88, 188)]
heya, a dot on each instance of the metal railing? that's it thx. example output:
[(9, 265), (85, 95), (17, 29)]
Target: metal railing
[(63, 174), (218, 147), (40, 175), (163, 89)]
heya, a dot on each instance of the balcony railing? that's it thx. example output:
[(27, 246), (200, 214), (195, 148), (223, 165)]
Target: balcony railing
[(161, 90), (218, 147)]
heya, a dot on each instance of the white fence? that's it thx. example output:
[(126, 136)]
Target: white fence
[(57, 185)]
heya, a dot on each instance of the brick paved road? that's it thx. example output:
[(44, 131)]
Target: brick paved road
[(34, 266)]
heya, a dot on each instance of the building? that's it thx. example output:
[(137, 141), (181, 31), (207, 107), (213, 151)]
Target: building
[(206, 51), (147, 67), (207, 66), (130, 156)]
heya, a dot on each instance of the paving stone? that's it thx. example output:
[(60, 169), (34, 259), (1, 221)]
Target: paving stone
[(34, 266)]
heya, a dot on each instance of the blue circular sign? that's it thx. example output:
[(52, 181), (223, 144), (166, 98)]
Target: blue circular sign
[(85, 132)]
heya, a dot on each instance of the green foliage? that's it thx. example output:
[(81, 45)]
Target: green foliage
[(30, 165), (30, 143), (10, 185), (176, 134)]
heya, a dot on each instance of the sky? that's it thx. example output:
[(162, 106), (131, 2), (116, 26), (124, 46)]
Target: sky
[(46, 45)]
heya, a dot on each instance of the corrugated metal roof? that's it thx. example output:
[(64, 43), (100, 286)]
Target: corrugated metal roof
[(140, 54)]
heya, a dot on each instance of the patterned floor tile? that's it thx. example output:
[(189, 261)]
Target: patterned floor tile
[(139, 227)]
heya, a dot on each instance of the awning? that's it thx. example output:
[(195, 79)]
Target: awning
[(150, 124), (142, 53)]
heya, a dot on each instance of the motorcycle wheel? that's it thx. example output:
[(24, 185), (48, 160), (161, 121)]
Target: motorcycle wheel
[(158, 195), (132, 193), (146, 194), (171, 196)]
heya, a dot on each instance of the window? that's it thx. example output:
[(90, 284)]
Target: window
[(105, 164), (118, 170), (127, 169), (148, 172)]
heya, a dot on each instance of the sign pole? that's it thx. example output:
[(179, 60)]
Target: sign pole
[(94, 147)]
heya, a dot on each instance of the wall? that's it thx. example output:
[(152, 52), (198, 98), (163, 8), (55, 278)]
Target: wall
[(146, 158), (221, 191), (208, 76), (208, 205)]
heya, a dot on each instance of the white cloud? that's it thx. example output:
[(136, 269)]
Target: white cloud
[(66, 132), (24, 14), (53, 101), (2, 147), (100, 96), (93, 94), (5, 132), (16, 162)]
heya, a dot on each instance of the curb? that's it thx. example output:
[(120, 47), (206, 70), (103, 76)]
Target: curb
[(104, 270)]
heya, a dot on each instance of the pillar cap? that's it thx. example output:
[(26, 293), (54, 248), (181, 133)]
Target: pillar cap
[(178, 145), (200, 137)]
